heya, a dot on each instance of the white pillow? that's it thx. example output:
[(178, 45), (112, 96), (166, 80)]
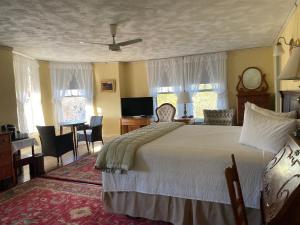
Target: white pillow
[(267, 112), (265, 132)]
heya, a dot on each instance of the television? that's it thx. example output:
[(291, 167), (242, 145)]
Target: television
[(141, 106)]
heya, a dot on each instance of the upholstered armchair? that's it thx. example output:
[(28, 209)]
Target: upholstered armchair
[(93, 131), (53, 145), (219, 117), (165, 113)]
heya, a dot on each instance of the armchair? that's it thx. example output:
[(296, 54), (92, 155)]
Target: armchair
[(165, 113), (93, 131), (53, 145)]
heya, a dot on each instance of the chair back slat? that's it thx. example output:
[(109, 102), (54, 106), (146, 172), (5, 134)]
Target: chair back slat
[(235, 194)]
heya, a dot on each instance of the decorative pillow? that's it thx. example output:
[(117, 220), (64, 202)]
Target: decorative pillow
[(265, 132), (267, 112)]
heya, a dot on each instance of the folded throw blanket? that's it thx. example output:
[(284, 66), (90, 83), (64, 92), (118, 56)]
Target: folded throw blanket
[(118, 155)]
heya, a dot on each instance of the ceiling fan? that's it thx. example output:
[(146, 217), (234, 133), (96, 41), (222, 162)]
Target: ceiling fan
[(114, 46)]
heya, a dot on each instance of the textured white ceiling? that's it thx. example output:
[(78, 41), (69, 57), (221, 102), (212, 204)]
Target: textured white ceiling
[(52, 29)]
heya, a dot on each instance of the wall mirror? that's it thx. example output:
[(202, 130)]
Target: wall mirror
[(252, 78)]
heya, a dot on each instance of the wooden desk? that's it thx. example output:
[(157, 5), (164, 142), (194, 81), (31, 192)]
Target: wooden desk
[(73, 125), (187, 121), (132, 123), (35, 161)]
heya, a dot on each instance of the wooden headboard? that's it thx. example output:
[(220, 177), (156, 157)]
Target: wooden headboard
[(290, 101), (281, 193)]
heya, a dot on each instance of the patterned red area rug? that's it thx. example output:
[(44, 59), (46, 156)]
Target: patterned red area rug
[(82, 170), (47, 201)]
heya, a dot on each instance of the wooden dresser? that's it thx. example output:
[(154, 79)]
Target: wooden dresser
[(132, 123), (252, 87), (6, 158), (259, 99)]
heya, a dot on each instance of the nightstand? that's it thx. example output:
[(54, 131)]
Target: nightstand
[(187, 121)]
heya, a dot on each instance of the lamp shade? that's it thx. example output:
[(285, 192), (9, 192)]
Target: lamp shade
[(278, 50), (292, 69), (184, 97)]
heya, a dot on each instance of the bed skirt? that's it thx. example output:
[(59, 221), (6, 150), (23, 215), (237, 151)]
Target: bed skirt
[(178, 211)]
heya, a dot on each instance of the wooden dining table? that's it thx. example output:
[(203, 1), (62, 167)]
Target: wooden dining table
[(73, 125)]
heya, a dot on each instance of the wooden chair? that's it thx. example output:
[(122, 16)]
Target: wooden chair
[(280, 197), (165, 112), (235, 194)]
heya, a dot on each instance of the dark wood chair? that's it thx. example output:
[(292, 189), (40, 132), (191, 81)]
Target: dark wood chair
[(53, 145), (93, 131), (235, 194), (165, 113)]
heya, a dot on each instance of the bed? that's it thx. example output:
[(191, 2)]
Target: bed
[(179, 178)]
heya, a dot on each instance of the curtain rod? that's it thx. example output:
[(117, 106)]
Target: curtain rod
[(21, 54)]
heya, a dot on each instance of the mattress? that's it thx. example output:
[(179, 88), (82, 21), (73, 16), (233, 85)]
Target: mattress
[(189, 163)]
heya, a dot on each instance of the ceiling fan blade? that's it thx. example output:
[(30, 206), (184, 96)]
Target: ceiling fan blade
[(130, 42), (93, 43)]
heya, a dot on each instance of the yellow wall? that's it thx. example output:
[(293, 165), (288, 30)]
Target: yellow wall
[(291, 30), (239, 60), (8, 111), (134, 78), (46, 93), (109, 102), (135, 83)]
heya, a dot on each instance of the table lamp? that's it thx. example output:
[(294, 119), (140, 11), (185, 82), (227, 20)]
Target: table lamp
[(184, 98)]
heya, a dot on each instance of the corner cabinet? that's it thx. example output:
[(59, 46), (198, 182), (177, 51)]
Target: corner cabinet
[(132, 123)]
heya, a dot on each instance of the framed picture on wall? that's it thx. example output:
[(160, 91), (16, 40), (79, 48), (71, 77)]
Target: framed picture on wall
[(108, 85)]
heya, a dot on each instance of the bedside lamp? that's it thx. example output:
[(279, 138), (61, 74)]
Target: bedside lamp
[(184, 98)]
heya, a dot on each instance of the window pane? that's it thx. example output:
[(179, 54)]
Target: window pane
[(74, 108), (167, 98), (204, 100)]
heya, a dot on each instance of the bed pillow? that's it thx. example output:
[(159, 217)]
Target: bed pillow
[(265, 132), (267, 112)]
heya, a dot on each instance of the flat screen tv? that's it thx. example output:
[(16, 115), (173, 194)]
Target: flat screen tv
[(142, 106)]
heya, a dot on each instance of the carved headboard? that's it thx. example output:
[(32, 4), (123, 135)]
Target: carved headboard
[(281, 193), (290, 101)]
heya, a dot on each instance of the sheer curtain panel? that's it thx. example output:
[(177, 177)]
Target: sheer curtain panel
[(165, 75), (28, 93), (64, 76), (207, 69)]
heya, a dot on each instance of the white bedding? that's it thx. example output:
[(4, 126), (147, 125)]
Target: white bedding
[(189, 162)]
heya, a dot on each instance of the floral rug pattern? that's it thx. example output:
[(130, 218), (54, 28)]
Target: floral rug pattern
[(48, 201), (82, 170)]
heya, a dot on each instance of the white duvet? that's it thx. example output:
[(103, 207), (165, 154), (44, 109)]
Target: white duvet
[(189, 162)]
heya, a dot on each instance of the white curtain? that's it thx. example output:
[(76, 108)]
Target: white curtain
[(187, 73), (165, 75), (28, 93), (207, 69), (64, 76)]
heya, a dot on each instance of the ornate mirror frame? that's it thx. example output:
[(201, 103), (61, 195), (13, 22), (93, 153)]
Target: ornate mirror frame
[(262, 87)]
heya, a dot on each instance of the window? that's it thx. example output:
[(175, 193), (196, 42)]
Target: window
[(74, 106), (204, 98), (166, 95)]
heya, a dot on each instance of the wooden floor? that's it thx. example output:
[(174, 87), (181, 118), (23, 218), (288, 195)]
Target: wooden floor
[(50, 163)]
